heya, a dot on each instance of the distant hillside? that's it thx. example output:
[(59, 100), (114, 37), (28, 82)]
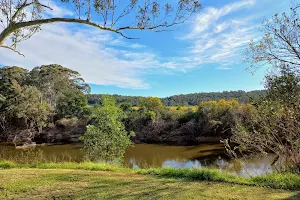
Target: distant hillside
[(195, 98), (187, 99)]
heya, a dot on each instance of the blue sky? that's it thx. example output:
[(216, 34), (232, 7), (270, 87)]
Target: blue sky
[(202, 55)]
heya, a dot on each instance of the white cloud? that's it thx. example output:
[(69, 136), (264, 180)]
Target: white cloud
[(106, 59), (87, 52), (210, 15), (220, 39)]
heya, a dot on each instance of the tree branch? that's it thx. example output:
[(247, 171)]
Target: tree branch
[(10, 48), (24, 5), (20, 25), (52, 20)]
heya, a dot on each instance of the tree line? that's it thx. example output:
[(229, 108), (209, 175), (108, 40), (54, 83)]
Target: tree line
[(187, 99)]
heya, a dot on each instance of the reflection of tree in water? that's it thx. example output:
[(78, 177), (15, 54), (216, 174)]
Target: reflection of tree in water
[(55, 153), (195, 157), (144, 156)]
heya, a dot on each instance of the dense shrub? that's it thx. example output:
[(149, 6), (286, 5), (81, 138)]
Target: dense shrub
[(158, 124), (275, 127), (106, 138), (217, 118)]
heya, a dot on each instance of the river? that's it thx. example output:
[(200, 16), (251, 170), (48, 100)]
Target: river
[(149, 155)]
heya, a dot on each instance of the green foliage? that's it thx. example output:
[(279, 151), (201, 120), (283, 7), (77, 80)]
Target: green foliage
[(126, 107), (283, 87), (185, 126), (151, 103), (11, 78), (58, 85), (195, 98), (275, 128), (34, 99), (106, 139), (219, 117), (30, 108), (71, 103)]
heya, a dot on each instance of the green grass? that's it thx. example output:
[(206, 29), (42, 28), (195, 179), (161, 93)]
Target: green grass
[(21, 183), (277, 181)]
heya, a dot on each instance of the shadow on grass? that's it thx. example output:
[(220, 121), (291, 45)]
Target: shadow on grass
[(125, 189), (294, 197)]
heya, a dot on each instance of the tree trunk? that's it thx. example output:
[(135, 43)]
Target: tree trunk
[(4, 34)]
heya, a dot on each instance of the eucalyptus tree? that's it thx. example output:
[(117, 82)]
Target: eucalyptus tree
[(21, 19), (55, 80), (280, 43), (10, 77)]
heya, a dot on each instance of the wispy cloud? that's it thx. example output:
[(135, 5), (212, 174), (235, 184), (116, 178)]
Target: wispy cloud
[(98, 63), (219, 39), (211, 15), (95, 54)]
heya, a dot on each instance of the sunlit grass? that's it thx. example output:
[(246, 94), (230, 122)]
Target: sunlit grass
[(31, 184), (279, 181)]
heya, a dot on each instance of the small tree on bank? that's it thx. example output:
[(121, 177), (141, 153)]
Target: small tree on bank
[(106, 139), (20, 19), (275, 127)]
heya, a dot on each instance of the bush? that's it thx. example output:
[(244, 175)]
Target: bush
[(106, 139), (67, 122), (217, 118), (275, 128)]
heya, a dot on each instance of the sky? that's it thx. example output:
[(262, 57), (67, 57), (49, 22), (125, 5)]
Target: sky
[(205, 54)]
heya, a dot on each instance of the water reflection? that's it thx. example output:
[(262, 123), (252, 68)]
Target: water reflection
[(147, 155)]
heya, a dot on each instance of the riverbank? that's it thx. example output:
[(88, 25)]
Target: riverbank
[(71, 134), (276, 181)]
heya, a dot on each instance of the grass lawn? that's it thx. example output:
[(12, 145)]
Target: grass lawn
[(20, 183)]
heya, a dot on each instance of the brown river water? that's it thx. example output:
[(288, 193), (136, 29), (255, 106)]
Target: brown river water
[(150, 155)]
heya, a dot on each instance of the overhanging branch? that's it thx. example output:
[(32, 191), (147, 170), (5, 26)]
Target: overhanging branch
[(10, 48)]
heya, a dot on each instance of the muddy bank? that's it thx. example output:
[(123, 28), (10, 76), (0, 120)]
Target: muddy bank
[(54, 135), (172, 138), (71, 134)]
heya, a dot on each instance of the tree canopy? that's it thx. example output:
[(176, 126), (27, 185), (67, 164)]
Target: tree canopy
[(33, 98)]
